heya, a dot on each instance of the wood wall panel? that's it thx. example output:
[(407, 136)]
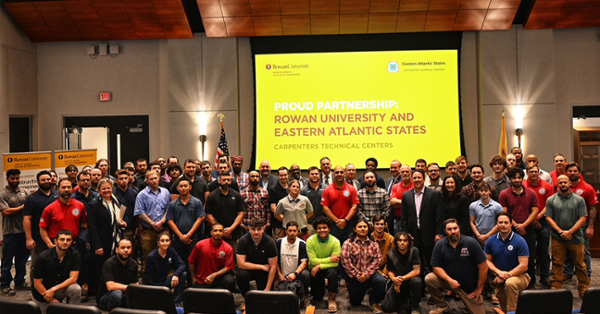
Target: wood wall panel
[(295, 24), (382, 22), (354, 23)]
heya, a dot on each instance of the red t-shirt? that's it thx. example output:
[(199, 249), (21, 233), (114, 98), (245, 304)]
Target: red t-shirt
[(543, 190), (210, 259), (397, 190), (339, 200), (588, 193), (519, 206), (60, 216)]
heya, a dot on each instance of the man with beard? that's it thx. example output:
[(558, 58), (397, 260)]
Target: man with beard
[(396, 198), (559, 168), (205, 171), (518, 157), (459, 265), (462, 171), (450, 168), (511, 161), (471, 190), (256, 202), (326, 174), (404, 270), (240, 177), (350, 173), (498, 180), (56, 272), (373, 200), (532, 160), (295, 175), (141, 166), (71, 172), (340, 203), (96, 176), (84, 194), (522, 204), (32, 212), (12, 201), (314, 191), (276, 193), (118, 272), (199, 187), (131, 182), (395, 178), (583, 189), (223, 159), (211, 262), (433, 179), (224, 168), (126, 196), (225, 206), (371, 165), (293, 261), (63, 214), (566, 213), (267, 179)]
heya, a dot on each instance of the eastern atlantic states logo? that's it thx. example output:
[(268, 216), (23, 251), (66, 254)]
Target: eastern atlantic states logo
[(393, 67), (542, 191), (464, 252), (75, 212), (346, 193), (579, 192)]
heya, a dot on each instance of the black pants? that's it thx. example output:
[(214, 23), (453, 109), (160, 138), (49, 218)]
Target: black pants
[(244, 277), (317, 283), (408, 298), (226, 282)]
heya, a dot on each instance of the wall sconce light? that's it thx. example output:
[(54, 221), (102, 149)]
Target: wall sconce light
[(103, 49), (519, 133), (519, 113), (203, 141)]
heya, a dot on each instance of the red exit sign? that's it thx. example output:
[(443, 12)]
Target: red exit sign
[(107, 96)]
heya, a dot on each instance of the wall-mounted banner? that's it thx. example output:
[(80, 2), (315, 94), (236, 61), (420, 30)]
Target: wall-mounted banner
[(79, 158), (30, 164)]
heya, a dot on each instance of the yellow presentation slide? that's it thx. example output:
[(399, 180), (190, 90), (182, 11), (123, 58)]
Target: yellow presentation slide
[(351, 106)]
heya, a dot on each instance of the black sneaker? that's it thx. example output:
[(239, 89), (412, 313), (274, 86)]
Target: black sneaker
[(7, 292), (23, 287), (431, 301)]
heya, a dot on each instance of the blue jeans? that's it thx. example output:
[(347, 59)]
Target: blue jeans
[(569, 269), (357, 290), (14, 247), (543, 251), (112, 299)]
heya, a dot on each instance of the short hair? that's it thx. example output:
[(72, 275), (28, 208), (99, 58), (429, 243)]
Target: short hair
[(461, 158), (498, 159), (419, 171), (367, 172), (531, 167), (167, 233), (184, 179), (151, 172), (573, 164), (13, 172), (322, 220), (175, 166), (512, 172), (224, 174), (71, 168), (139, 161), (559, 154), (173, 157), (377, 218), (294, 181), (421, 160), (64, 232), (504, 213), (84, 174), (450, 163), (314, 168), (373, 160), (433, 164), (484, 186), (283, 168), (321, 160), (478, 166), (124, 239), (513, 149), (217, 224), (189, 161), (64, 179), (104, 181), (129, 168), (256, 223), (122, 172), (206, 162), (154, 163), (41, 173), (291, 223), (451, 221)]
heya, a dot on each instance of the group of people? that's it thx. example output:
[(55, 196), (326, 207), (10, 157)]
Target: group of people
[(189, 225)]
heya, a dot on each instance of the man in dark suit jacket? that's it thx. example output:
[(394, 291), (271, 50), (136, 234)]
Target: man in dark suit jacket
[(267, 180), (427, 224)]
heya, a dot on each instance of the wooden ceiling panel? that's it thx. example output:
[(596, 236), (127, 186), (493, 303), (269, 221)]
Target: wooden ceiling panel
[(209, 8), (552, 4), (53, 12), (474, 4), (236, 8), (383, 22), (324, 7), (25, 13), (440, 5), (295, 24), (65, 31), (141, 10), (505, 4), (81, 11), (593, 19), (499, 19), (120, 30), (110, 10), (572, 17), (325, 24), (440, 20), (240, 26), (354, 23), (411, 21), (542, 18), (148, 29), (92, 30), (354, 6), (38, 32), (294, 7), (265, 7), (176, 28), (469, 20), (169, 9), (268, 25), (384, 6), (580, 3), (414, 5), (214, 26)]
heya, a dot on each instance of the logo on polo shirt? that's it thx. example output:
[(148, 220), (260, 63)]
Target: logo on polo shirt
[(346, 193), (542, 191), (41, 219), (579, 192), (75, 212), (510, 247), (464, 252), (221, 254)]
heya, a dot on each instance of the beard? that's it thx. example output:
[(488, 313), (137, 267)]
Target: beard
[(225, 187)]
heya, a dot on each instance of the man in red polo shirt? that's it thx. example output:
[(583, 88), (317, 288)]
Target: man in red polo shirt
[(340, 203), (211, 262), (65, 213), (396, 197), (522, 204), (583, 189), (543, 190), (559, 164)]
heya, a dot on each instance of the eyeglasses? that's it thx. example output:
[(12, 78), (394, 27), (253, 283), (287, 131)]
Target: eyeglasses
[(84, 180), (434, 171)]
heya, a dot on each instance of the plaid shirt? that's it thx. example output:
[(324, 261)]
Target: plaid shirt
[(256, 204), (359, 257), (374, 203), (470, 190), (242, 179)]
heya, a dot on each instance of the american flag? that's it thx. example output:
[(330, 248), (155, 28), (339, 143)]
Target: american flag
[(222, 147)]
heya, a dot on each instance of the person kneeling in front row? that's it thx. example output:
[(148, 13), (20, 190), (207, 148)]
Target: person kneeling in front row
[(161, 262), (118, 272)]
